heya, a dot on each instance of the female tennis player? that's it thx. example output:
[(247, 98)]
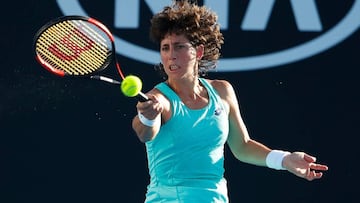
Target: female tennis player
[(189, 119)]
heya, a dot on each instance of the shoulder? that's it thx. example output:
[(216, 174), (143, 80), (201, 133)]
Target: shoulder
[(223, 87), (226, 92), (219, 83)]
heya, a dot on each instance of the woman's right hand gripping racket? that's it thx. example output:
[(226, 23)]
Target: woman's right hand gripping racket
[(81, 46)]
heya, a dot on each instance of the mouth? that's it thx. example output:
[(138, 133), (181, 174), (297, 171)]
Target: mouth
[(173, 67)]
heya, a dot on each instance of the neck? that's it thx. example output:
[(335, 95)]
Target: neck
[(187, 89)]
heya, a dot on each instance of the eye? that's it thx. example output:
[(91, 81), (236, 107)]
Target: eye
[(165, 48), (179, 46)]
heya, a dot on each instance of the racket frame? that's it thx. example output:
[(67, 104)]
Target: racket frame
[(93, 21), (112, 56)]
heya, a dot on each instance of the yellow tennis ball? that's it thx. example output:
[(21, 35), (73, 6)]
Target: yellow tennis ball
[(131, 86)]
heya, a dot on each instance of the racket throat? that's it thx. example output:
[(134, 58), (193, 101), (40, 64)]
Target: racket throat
[(106, 79)]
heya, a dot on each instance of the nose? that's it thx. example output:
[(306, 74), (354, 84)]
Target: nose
[(172, 54)]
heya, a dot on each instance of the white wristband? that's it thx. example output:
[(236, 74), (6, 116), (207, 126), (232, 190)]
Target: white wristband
[(148, 122), (275, 158)]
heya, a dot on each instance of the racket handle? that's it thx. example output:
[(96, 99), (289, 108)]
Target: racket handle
[(142, 97), (106, 79)]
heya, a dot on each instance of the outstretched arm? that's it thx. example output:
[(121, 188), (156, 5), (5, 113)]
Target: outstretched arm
[(250, 151)]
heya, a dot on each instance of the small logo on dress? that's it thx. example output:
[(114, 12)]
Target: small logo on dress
[(218, 111)]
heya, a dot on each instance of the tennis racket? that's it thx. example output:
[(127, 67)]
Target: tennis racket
[(77, 46)]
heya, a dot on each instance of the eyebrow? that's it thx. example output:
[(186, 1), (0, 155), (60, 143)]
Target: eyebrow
[(176, 43)]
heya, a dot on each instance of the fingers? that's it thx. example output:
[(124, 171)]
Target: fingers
[(309, 158), (314, 171), (143, 106), (151, 108), (311, 175), (318, 167), (314, 166), (306, 167)]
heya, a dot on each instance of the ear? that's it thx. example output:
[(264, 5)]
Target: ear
[(199, 52)]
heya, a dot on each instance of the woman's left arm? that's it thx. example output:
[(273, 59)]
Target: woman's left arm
[(241, 145), (250, 151)]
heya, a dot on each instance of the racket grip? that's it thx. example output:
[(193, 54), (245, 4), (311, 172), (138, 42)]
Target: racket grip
[(106, 79), (142, 97)]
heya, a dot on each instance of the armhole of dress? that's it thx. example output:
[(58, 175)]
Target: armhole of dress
[(214, 94)]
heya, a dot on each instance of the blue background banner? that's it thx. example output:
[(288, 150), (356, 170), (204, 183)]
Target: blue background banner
[(66, 140)]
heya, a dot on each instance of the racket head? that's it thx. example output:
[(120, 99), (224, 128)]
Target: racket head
[(74, 46)]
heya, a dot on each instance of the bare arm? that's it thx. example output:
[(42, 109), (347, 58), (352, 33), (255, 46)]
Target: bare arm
[(241, 145), (250, 151)]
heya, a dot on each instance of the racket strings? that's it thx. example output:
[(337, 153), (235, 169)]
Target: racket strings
[(94, 55), (102, 48), (74, 47), (89, 55), (71, 67), (52, 36)]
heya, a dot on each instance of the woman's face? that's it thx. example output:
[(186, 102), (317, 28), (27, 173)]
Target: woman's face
[(178, 56)]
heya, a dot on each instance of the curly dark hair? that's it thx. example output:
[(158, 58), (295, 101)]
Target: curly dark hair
[(199, 25)]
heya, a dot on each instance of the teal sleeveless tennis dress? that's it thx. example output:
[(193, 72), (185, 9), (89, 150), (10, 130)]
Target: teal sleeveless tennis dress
[(186, 158)]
